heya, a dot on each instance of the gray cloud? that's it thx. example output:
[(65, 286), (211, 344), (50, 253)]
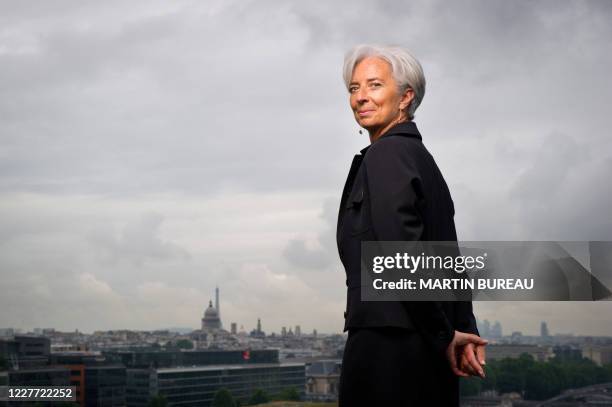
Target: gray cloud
[(299, 254), (151, 150), (138, 243)]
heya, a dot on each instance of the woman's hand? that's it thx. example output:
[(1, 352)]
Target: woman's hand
[(459, 349), (466, 363)]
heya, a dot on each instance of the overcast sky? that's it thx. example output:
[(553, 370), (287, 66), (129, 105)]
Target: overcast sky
[(152, 150)]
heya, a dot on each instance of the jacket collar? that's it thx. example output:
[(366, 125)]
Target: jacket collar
[(406, 129)]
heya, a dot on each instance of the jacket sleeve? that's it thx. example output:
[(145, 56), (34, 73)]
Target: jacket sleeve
[(466, 322), (395, 189)]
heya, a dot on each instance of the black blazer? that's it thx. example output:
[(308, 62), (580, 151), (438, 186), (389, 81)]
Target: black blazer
[(395, 191)]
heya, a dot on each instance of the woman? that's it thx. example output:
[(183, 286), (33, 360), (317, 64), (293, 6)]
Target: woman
[(397, 353)]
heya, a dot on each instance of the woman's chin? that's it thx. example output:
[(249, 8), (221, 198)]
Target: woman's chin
[(365, 123)]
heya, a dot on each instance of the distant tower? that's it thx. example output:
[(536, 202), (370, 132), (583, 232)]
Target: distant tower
[(217, 302), (544, 330), (258, 325), (298, 331), (486, 328), (233, 329), (496, 330)]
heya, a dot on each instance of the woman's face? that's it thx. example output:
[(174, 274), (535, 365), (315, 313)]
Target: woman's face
[(374, 96)]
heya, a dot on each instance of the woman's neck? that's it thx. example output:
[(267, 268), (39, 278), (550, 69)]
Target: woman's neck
[(375, 134)]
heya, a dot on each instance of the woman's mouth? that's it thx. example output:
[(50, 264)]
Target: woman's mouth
[(364, 112)]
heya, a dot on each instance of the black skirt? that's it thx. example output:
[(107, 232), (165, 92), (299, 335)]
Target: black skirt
[(390, 366)]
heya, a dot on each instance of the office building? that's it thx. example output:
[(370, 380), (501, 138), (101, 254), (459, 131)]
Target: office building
[(196, 386), (190, 358)]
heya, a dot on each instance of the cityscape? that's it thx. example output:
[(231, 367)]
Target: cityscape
[(172, 179), (184, 367)]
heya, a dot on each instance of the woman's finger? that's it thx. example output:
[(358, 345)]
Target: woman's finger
[(481, 355), (466, 367), (473, 363), (465, 338)]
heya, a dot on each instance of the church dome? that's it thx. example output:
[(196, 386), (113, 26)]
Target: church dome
[(210, 312), (211, 320)]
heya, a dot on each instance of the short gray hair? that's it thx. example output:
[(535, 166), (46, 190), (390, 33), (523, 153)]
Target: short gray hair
[(405, 68)]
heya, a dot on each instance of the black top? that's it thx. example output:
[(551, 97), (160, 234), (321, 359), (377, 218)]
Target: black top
[(395, 192)]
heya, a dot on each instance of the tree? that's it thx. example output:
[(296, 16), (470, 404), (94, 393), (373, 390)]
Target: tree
[(259, 397), (511, 374), (542, 381), (184, 344), (537, 380), (289, 394), (470, 386), (158, 401), (223, 398)]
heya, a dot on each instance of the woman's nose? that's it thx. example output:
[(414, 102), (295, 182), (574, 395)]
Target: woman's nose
[(362, 96)]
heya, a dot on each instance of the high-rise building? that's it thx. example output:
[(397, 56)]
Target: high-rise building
[(544, 330), (298, 331), (217, 305), (486, 329), (496, 330), (233, 328)]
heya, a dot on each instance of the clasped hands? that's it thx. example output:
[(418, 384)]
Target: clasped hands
[(466, 354)]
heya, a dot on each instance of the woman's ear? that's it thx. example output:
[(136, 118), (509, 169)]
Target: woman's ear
[(406, 98)]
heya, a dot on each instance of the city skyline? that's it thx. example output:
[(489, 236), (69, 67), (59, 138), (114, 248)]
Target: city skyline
[(492, 328)]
